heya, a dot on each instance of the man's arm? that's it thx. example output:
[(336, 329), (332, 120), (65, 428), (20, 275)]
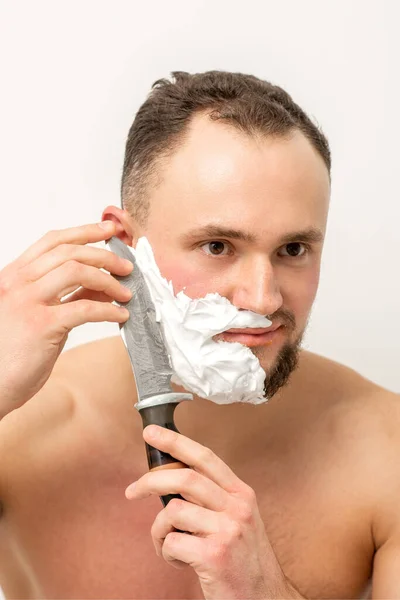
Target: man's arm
[(386, 524), (97, 373), (386, 576), (23, 430)]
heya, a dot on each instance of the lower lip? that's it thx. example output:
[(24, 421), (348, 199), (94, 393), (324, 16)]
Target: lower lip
[(251, 339)]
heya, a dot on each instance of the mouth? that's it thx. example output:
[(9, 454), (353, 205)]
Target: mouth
[(252, 337)]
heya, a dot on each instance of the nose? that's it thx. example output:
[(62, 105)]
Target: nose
[(257, 288)]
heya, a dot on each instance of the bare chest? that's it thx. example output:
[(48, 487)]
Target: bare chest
[(73, 534)]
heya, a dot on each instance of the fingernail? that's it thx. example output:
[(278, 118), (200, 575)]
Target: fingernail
[(127, 291), (127, 263), (130, 490), (153, 431), (107, 225)]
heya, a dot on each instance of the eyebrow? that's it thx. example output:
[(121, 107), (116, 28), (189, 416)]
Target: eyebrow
[(310, 235)]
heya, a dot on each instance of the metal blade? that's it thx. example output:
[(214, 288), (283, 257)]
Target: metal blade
[(142, 334)]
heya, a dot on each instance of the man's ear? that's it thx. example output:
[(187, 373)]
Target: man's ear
[(127, 230)]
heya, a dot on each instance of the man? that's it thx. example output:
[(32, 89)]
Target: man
[(297, 497)]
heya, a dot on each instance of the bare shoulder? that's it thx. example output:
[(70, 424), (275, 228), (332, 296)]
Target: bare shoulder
[(345, 393), (335, 378), (362, 424)]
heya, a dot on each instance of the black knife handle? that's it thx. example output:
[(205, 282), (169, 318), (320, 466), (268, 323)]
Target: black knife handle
[(162, 415)]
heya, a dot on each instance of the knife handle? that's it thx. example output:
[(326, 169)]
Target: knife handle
[(162, 415)]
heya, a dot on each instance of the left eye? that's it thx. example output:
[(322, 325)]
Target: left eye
[(294, 249), (216, 248)]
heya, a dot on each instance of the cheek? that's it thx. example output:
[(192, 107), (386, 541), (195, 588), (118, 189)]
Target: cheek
[(310, 287), (300, 293), (308, 297), (186, 277)]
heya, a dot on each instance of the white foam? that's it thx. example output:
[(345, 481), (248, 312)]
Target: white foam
[(220, 371)]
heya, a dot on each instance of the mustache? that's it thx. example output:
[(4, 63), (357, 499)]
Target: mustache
[(285, 316)]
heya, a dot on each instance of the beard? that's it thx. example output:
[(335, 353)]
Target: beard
[(286, 362), (288, 357)]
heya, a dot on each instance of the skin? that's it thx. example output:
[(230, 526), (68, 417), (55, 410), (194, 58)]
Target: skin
[(236, 182), (297, 498)]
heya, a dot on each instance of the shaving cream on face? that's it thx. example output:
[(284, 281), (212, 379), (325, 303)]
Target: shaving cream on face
[(224, 372)]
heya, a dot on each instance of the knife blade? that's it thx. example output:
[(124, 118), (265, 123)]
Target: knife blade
[(143, 336)]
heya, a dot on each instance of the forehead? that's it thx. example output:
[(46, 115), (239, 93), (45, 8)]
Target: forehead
[(222, 174)]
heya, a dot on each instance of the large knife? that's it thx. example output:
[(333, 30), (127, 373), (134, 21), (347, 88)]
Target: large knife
[(144, 340)]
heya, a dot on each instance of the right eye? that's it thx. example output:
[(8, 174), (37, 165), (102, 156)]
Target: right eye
[(216, 248)]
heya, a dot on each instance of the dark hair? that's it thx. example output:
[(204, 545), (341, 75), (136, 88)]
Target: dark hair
[(249, 104)]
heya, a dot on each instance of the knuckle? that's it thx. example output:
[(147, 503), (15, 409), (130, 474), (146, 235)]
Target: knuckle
[(250, 495), (86, 307), (53, 235), (246, 494), (217, 552), (65, 250), (191, 477), (171, 539), (14, 291), (6, 285), (244, 512), (73, 267), (206, 455), (233, 530), (175, 505)]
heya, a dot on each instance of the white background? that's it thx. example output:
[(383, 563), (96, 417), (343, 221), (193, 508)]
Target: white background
[(74, 73)]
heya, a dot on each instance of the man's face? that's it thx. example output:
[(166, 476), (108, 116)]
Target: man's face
[(244, 217)]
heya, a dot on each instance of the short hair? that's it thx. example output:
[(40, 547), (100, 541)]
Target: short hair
[(247, 103)]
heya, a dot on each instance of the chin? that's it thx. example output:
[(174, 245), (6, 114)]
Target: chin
[(279, 366)]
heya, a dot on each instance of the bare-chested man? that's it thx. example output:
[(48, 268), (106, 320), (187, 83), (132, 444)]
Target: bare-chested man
[(297, 497)]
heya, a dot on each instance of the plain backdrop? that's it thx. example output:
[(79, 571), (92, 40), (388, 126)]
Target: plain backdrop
[(74, 73)]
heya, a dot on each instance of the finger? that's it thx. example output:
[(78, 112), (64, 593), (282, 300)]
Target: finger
[(84, 294), (191, 453), (86, 311), (68, 277), (179, 549), (183, 515), (193, 486), (92, 233), (95, 257)]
